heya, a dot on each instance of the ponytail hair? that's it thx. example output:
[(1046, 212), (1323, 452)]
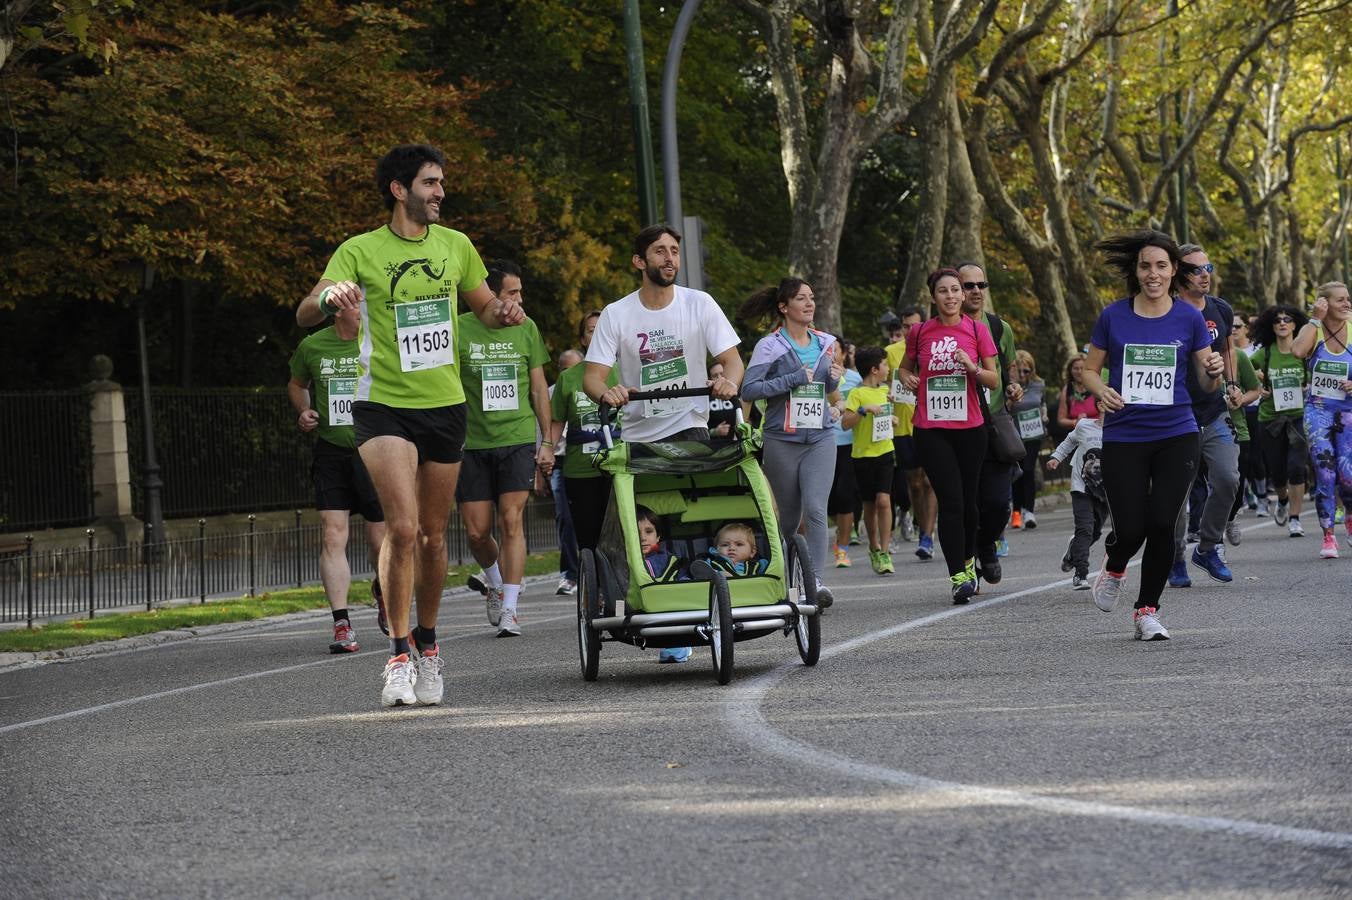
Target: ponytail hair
[(765, 302)]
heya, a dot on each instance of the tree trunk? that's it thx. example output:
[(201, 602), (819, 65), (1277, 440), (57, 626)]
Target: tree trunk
[(966, 211), (928, 236), (1037, 253)]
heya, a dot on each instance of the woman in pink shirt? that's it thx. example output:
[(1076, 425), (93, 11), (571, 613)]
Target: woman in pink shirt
[(948, 359)]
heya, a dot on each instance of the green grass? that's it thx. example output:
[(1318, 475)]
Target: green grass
[(110, 627)]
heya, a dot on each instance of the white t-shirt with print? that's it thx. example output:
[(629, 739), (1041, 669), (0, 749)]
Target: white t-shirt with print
[(660, 348)]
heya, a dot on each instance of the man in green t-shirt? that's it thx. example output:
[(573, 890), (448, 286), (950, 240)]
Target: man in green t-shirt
[(323, 381), (506, 396), (406, 279), (997, 478)]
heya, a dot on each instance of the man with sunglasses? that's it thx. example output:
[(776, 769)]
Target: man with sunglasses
[(994, 493), (1220, 445)]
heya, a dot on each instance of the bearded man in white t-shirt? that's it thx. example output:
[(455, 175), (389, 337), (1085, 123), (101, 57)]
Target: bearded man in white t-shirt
[(661, 337)]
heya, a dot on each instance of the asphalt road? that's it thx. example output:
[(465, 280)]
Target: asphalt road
[(1021, 746)]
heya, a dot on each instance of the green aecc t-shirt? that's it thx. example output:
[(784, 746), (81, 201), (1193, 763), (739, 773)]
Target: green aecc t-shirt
[(495, 366), (328, 364), (571, 404), (411, 292)]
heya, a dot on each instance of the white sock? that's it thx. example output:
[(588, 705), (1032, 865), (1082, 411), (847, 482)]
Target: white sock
[(509, 594), (493, 575)]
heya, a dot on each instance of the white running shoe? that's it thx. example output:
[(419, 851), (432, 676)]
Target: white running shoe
[(1080, 582), (1282, 513), (1233, 534), (1148, 625), (428, 686), (493, 602), (1295, 528), (399, 676), (1330, 548), (508, 626), (566, 586), (1107, 588)]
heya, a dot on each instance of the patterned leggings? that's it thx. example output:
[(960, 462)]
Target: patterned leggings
[(1330, 435)]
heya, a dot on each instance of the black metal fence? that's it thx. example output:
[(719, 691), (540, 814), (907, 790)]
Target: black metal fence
[(41, 583), (46, 472), (221, 450)]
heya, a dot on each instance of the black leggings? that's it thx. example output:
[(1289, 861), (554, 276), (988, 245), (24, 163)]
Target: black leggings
[(951, 457), (1146, 483), (587, 502), (1025, 488), (1285, 451)]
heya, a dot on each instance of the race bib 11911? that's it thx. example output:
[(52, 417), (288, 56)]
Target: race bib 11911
[(946, 398)]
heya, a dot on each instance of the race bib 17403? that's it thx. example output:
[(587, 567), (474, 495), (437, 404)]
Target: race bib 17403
[(1148, 374)]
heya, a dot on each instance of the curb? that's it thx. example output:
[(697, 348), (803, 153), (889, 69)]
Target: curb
[(28, 660)]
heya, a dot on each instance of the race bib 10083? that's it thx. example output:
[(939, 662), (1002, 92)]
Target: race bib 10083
[(500, 387)]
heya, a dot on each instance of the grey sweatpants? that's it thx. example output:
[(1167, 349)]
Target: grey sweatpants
[(1220, 454), (800, 477)]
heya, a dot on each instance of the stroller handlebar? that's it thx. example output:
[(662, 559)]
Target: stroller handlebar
[(605, 408)]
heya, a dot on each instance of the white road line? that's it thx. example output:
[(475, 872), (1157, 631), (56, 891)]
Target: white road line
[(189, 688), (744, 716)]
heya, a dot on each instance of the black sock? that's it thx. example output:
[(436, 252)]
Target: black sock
[(398, 646), (1295, 517), (424, 637), (340, 614)]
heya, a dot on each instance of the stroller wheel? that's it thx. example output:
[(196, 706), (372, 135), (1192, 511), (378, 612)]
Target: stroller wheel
[(588, 605), (807, 630), (720, 627)]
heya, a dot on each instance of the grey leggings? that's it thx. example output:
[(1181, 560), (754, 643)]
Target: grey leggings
[(800, 477)]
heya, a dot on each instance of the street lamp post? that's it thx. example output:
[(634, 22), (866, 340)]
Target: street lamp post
[(153, 514), (638, 108), (671, 164)]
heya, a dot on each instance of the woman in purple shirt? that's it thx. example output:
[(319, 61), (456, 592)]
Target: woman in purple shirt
[(1150, 436)]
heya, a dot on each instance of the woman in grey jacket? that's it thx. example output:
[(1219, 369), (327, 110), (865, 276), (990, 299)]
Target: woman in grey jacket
[(793, 370)]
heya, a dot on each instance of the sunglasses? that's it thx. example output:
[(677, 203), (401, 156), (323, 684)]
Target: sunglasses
[(974, 285), (1240, 325), (1283, 319), (1205, 267)]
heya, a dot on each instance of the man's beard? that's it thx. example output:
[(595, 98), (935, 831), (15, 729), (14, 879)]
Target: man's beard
[(418, 211), (656, 277)]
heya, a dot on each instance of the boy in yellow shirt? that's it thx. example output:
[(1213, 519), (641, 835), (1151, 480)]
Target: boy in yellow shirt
[(869, 413)]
